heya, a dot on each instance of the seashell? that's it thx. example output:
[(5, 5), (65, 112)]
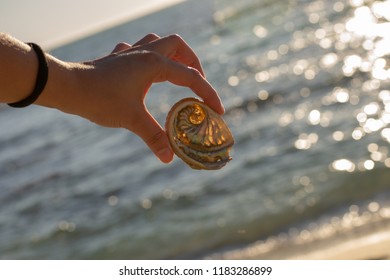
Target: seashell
[(198, 135)]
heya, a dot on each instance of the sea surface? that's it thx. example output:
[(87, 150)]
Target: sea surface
[(306, 85)]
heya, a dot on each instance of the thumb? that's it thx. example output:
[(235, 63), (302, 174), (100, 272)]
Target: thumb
[(155, 137)]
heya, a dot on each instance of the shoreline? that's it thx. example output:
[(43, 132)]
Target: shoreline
[(368, 242), (374, 246)]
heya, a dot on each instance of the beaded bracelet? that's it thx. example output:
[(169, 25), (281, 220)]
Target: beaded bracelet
[(42, 76)]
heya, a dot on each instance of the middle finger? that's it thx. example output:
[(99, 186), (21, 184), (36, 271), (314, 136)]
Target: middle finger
[(147, 39), (175, 48)]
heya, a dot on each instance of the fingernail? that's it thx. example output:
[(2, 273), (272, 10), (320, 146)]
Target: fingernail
[(165, 155), (223, 109)]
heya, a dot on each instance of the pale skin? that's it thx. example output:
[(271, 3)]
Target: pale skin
[(109, 91)]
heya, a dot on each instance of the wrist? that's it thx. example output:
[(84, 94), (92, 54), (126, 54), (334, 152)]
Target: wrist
[(63, 87), (18, 68), (40, 82)]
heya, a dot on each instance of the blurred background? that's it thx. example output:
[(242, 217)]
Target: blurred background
[(306, 88)]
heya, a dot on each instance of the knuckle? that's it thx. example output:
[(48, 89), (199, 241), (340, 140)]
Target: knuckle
[(196, 75), (154, 138), (122, 44), (151, 57), (151, 36), (176, 38), (195, 79)]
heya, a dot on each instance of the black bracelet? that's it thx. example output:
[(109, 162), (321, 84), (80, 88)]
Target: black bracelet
[(42, 76)]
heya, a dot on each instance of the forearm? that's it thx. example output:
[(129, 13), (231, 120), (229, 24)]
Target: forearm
[(18, 71), (18, 67)]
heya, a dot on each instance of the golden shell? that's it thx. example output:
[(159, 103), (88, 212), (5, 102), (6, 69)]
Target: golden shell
[(198, 135)]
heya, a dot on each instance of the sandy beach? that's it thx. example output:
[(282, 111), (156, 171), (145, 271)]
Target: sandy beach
[(375, 246), (369, 241)]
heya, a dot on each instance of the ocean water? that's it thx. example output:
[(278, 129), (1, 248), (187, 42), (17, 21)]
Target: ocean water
[(306, 88)]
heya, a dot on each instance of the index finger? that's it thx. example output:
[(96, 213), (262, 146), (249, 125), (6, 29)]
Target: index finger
[(175, 48), (190, 77)]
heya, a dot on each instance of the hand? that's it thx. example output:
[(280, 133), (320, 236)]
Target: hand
[(114, 87)]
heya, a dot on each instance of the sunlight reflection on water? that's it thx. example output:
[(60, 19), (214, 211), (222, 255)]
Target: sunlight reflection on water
[(356, 48), (366, 28)]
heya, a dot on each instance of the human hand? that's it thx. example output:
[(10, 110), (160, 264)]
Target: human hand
[(113, 88)]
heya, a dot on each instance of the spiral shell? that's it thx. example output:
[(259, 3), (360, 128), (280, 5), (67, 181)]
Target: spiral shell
[(198, 135)]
